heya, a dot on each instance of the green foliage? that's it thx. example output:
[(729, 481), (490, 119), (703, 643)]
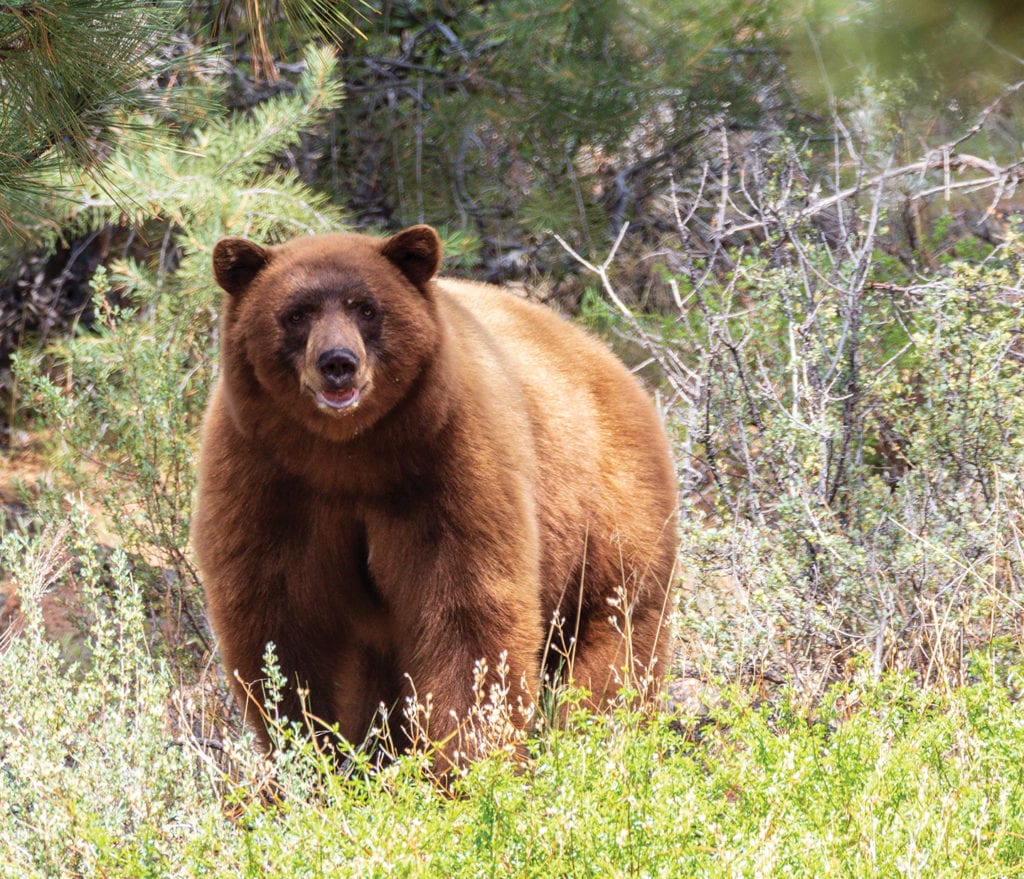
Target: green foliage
[(902, 74), (216, 178), (880, 778), (82, 79), (70, 69), (275, 28), (950, 48), (507, 115), (83, 757)]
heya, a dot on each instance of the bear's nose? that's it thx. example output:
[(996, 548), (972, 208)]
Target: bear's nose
[(338, 365)]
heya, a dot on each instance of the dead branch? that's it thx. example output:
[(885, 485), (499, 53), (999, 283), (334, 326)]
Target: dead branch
[(945, 158)]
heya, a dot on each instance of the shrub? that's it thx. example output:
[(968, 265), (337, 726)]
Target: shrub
[(850, 435), (879, 777)]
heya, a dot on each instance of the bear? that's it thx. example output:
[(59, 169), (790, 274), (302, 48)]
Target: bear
[(418, 487)]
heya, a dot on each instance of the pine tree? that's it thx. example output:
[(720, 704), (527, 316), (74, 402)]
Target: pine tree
[(69, 73), (499, 116), (78, 76)]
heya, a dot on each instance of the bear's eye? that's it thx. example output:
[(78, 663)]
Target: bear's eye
[(296, 316), (367, 311)]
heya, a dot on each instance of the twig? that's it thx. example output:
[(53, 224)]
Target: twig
[(934, 160), (671, 366)]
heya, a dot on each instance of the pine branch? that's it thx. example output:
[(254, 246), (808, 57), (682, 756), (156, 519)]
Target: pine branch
[(67, 68)]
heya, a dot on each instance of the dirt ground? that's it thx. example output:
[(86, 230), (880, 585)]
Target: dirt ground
[(22, 466)]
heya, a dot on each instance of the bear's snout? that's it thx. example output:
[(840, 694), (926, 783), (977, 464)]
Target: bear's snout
[(337, 366)]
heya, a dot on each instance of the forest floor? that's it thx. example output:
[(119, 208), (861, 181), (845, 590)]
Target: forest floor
[(22, 466)]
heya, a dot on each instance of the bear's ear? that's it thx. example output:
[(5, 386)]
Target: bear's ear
[(236, 262), (416, 252)]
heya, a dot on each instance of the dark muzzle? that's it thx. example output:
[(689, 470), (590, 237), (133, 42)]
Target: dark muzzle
[(338, 366)]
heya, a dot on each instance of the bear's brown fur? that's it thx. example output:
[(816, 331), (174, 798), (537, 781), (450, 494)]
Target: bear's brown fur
[(401, 476)]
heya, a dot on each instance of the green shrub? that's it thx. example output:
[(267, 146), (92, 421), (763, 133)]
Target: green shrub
[(102, 774)]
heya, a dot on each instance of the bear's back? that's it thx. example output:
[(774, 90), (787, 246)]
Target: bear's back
[(560, 365), (596, 437)]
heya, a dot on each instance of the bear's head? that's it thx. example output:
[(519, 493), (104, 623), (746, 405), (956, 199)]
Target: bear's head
[(331, 330)]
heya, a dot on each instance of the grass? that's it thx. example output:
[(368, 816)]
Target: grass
[(878, 778)]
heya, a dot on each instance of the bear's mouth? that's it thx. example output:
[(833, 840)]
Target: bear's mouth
[(338, 399)]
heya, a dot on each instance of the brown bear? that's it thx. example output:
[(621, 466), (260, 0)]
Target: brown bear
[(401, 477)]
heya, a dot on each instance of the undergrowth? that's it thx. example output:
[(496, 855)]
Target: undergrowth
[(879, 777)]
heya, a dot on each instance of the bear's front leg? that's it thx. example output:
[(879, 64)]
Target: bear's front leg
[(471, 676), (467, 636), (456, 558)]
